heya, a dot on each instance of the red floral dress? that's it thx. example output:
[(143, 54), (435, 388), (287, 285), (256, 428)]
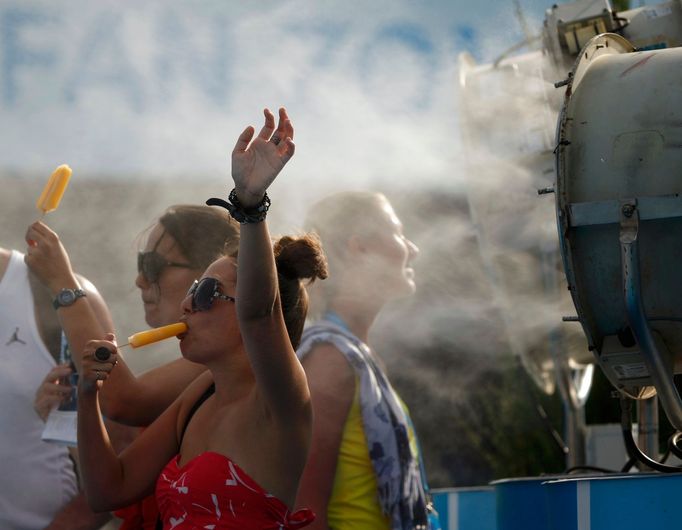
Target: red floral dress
[(210, 492)]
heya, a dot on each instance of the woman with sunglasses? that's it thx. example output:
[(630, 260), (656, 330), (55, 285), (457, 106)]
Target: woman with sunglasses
[(229, 452), (184, 241), (179, 246)]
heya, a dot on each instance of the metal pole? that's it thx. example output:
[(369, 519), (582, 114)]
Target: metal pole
[(647, 426)]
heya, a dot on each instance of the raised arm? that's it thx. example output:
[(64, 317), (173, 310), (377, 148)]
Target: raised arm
[(112, 481), (255, 164), (47, 258), (126, 398)]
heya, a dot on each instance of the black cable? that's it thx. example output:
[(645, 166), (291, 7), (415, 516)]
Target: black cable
[(588, 468), (672, 445), (631, 447), (628, 465)]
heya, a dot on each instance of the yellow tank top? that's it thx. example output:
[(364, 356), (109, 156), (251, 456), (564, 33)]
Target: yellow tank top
[(354, 504)]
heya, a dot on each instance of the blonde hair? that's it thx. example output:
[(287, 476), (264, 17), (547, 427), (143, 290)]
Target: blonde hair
[(335, 219)]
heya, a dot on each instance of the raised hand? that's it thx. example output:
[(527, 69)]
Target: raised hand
[(47, 258), (255, 164)]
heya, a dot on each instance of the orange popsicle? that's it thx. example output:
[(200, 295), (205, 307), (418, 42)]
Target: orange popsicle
[(154, 335), (54, 189)]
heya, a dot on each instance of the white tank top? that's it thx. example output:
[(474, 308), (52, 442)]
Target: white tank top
[(37, 477)]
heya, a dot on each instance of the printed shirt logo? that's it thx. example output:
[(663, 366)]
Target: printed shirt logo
[(15, 338)]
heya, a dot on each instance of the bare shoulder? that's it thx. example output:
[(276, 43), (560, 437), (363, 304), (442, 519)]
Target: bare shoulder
[(327, 369), (4, 260)]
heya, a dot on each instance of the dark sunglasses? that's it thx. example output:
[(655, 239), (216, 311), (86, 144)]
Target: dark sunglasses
[(204, 292), (151, 264)]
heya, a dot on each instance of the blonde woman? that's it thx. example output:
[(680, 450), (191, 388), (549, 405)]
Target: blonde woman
[(364, 469)]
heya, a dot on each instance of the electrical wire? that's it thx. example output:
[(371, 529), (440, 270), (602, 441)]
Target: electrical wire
[(628, 465), (631, 447), (588, 468), (673, 446)]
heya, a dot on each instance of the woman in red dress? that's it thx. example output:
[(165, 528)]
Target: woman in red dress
[(229, 452)]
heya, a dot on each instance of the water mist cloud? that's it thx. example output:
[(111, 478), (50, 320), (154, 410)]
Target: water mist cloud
[(160, 89)]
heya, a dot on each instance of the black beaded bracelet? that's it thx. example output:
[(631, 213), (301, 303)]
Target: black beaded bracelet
[(242, 215)]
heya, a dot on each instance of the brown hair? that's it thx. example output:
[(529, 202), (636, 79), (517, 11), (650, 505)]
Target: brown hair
[(202, 233), (297, 259)]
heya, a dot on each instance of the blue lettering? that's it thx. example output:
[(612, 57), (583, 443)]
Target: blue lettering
[(409, 35), (179, 57), (323, 38), (466, 39), (103, 62), (15, 53), (404, 39)]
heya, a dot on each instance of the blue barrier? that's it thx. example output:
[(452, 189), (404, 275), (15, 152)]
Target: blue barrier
[(466, 508), (627, 502), (522, 503)]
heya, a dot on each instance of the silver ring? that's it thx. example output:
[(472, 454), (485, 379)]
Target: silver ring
[(275, 140)]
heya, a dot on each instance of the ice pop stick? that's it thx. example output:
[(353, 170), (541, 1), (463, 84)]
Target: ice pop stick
[(154, 335), (54, 189)]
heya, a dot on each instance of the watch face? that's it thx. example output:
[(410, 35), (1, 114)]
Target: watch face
[(66, 297)]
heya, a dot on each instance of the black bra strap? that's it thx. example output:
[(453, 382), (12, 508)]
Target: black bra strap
[(207, 394)]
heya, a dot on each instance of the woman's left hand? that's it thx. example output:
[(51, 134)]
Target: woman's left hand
[(255, 166), (95, 370)]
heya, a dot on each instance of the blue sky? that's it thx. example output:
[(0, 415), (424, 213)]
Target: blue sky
[(156, 88)]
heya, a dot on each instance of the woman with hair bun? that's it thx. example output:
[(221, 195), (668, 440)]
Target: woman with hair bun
[(229, 452)]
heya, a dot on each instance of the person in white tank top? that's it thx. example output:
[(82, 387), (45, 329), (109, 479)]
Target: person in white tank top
[(39, 488)]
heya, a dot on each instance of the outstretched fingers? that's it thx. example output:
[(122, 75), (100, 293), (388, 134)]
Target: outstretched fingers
[(288, 126), (268, 127), (243, 140), (286, 150), (284, 127)]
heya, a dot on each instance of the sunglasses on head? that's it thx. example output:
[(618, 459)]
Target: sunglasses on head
[(204, 292), (151, 264)]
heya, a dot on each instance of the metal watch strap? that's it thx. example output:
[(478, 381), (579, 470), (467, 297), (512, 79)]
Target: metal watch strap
[(75, 295)]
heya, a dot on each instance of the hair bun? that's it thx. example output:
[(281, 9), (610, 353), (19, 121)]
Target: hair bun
[(300, 258)]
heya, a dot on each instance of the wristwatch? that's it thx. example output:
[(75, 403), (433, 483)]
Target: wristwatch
[(66, 297)]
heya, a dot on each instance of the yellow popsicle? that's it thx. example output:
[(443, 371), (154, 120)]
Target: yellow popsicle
[(54, 189), (154, 335)]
